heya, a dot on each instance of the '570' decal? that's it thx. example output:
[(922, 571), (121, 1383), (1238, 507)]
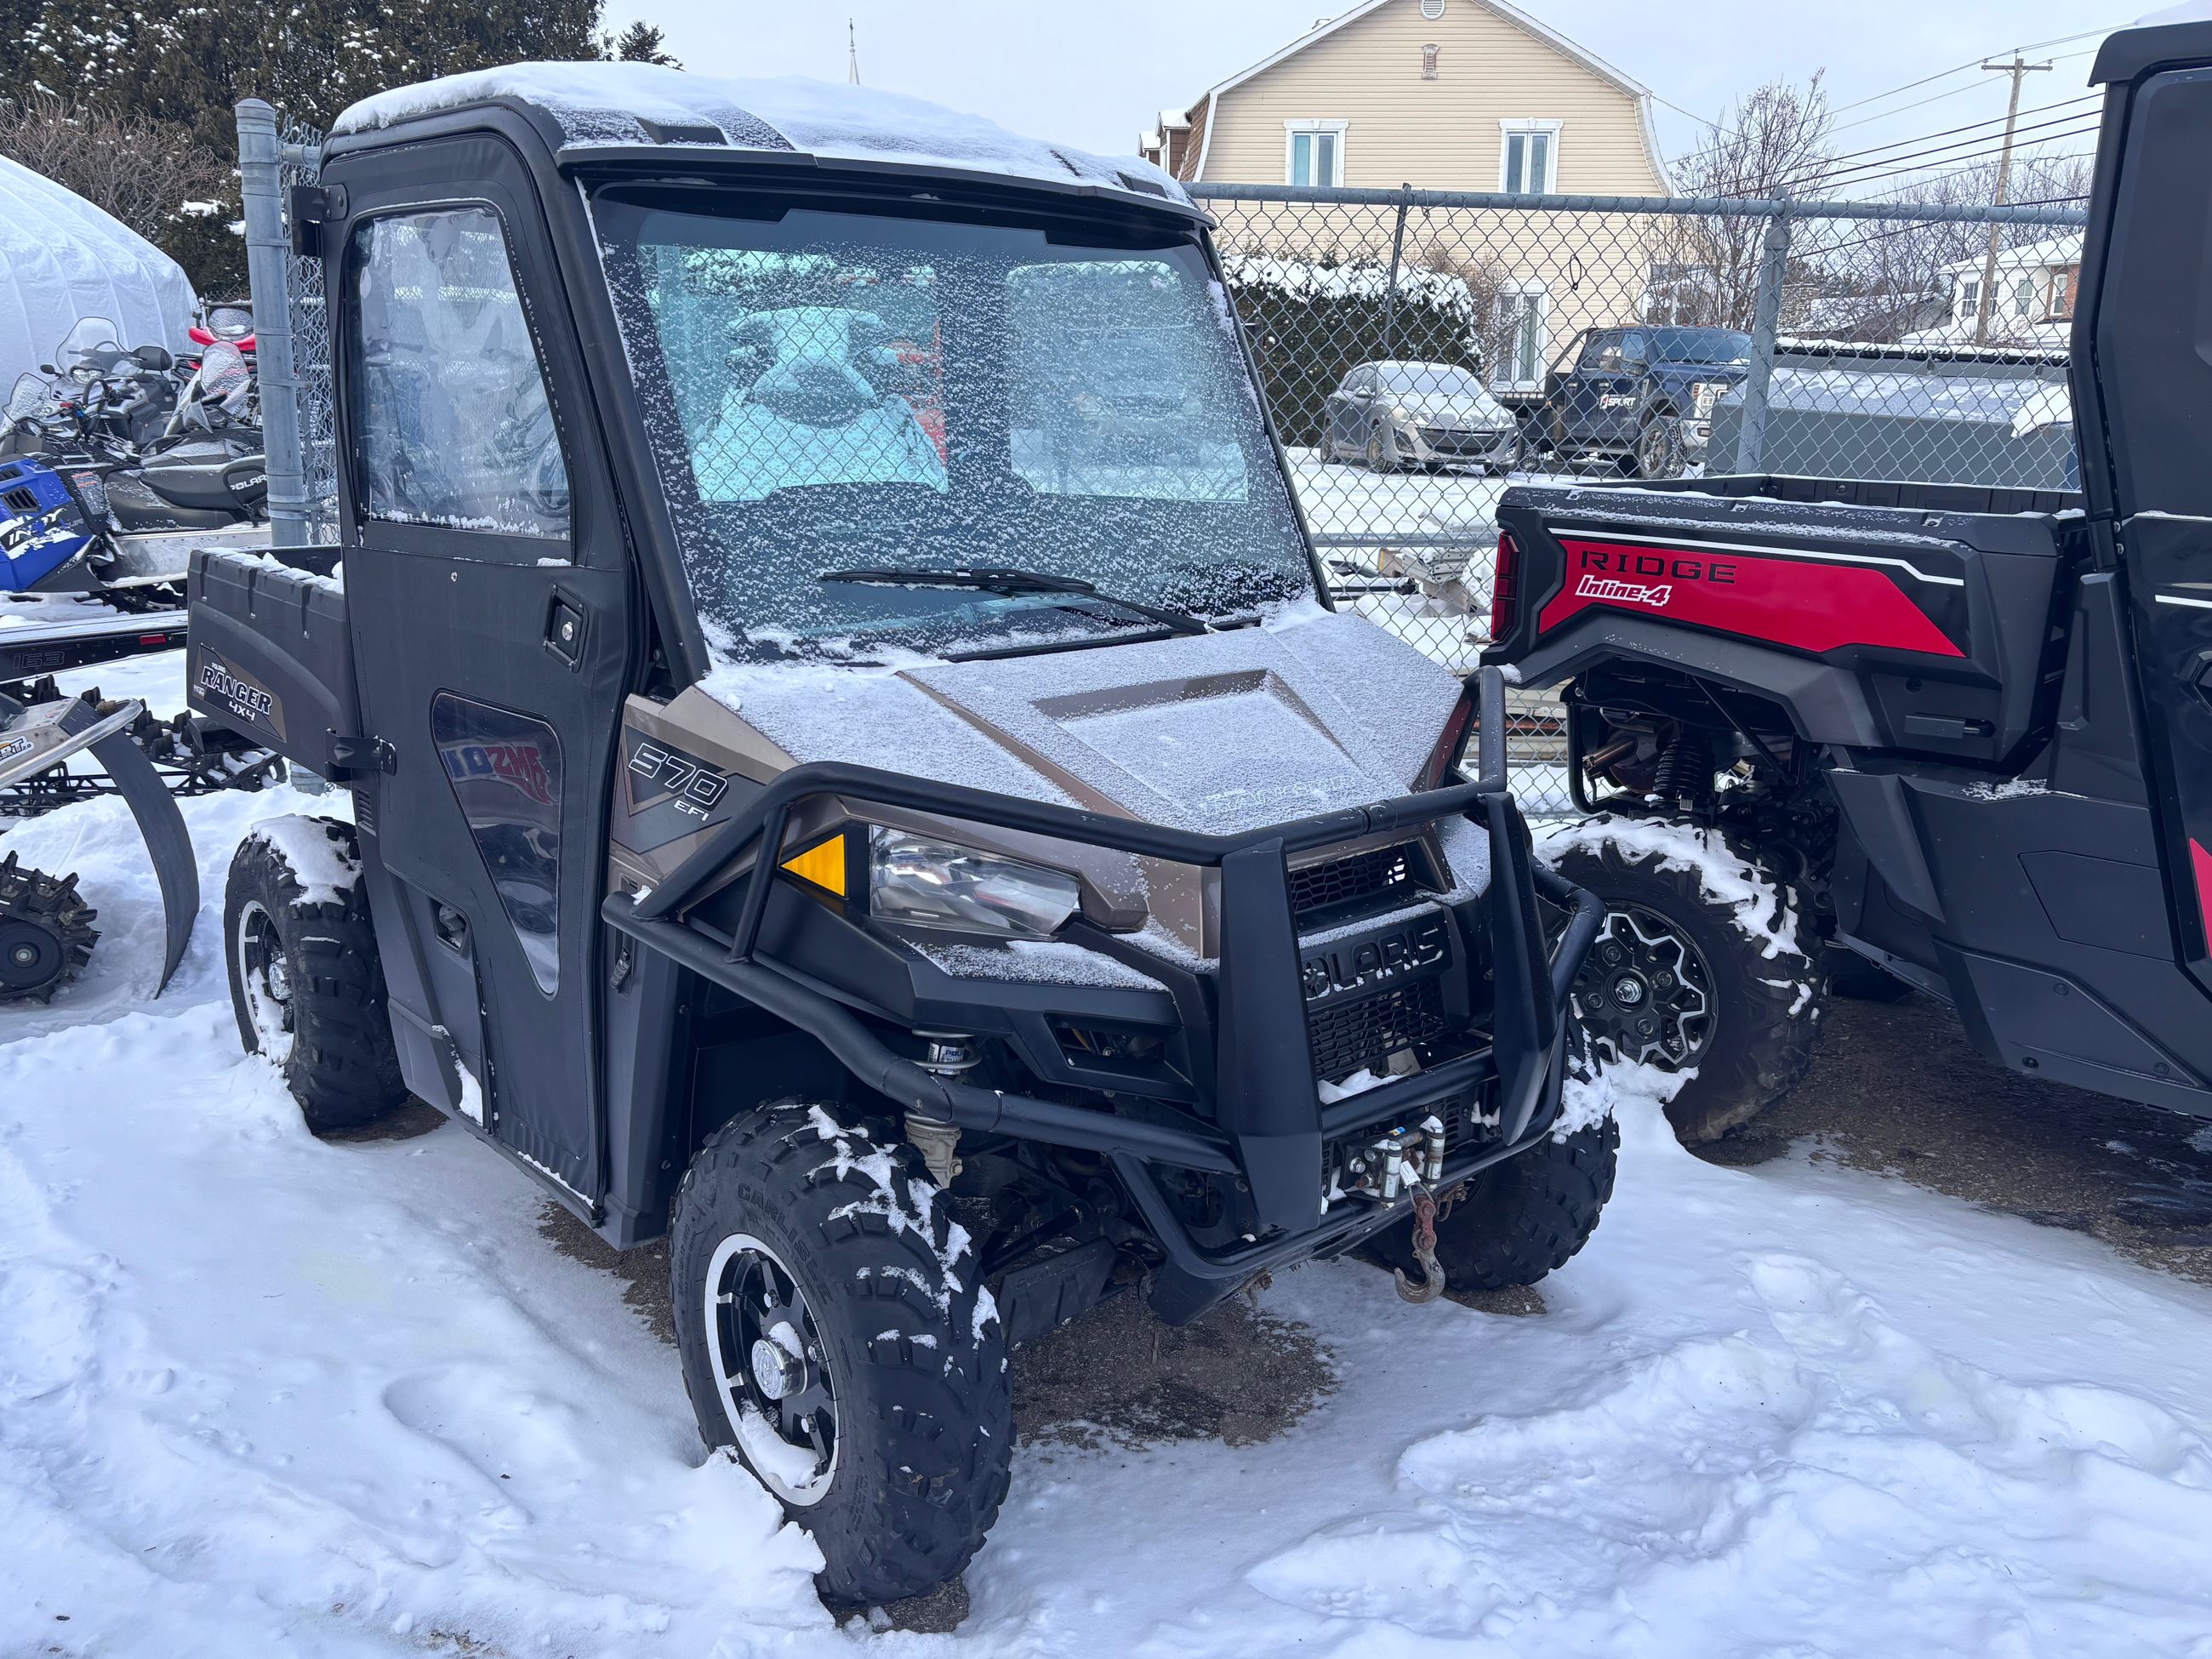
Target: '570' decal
[(693, 786)]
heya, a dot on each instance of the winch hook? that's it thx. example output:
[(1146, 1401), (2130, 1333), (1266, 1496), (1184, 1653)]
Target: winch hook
[(1431, 1284)]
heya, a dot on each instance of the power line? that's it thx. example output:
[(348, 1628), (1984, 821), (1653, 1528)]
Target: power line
[(1942, 154), (1993, 121), (1974, 63), (1723, 133), (1955, 92)]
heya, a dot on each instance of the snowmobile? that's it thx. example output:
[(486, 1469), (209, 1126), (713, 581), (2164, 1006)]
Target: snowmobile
[(839, 807), (109, 480), (45, 927), (1914, 737)]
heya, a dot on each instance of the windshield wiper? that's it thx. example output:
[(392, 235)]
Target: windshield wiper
[(1011, 584)]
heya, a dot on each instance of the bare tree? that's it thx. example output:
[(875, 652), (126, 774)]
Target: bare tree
[(141, 171), (1878, 281), (1777, 141)]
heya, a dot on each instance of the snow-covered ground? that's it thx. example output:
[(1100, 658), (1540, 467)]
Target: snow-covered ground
[(262, 1394)]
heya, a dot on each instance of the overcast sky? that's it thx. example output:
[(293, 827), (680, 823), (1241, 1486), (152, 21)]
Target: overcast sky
[(1094, 72)]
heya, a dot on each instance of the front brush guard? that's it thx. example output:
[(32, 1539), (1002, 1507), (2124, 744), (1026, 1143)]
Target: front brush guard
[(1268, 1126)]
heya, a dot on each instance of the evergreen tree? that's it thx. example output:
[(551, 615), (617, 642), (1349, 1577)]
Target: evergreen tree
[(310, 57), (640, 44)]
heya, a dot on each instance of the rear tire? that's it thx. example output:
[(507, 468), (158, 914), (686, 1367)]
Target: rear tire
[(899, 1464), (306, 982), (1691, 963), (46, 933)]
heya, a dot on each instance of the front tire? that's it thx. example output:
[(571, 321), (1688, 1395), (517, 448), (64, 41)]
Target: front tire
[(1659, 448), (1704, 965), (835, 1335), (1382, 450), (306, 982)]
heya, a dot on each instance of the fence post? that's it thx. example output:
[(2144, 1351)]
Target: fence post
[(267, 248), (1766, 325), (1390, 296)]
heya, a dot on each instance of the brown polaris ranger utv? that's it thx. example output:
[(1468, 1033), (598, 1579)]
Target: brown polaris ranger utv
[(852, 769)]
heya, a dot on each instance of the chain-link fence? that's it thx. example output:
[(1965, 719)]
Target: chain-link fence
[(1423, 349), (300, 162)]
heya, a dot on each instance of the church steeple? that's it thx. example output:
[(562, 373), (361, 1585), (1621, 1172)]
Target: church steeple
[(852, 55)]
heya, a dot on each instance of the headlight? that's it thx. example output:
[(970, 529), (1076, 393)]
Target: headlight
[(938, 884)]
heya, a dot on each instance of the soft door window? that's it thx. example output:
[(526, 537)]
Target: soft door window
[(453, 427)]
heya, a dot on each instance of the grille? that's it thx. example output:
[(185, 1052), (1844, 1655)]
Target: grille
[(364, 812), (1383, 874), (1453, 439), (1347, 1037), (21, 500)]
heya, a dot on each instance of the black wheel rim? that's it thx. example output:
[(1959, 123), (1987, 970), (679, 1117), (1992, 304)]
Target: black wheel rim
[(265, 973), (771, 1370), (1645, 993)]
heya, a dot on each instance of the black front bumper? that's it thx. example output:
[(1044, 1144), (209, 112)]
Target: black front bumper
[(1259, 1115)]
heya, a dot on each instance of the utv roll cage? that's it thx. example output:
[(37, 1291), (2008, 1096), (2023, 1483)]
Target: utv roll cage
[(1270, 1126)]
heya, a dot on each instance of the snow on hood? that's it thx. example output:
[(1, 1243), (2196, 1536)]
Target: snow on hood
[(611, 103), (1317, 712)]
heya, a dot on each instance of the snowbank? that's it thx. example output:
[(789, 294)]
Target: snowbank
[(264, 1395)]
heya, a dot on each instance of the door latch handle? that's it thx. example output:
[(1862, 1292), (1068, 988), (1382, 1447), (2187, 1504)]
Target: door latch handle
[(564, 629)]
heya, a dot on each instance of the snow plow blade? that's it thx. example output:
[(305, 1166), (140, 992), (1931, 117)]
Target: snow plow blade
[(38, 738)]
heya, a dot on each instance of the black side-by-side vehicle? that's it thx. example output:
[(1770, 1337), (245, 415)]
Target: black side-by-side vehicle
[(1965, 734), (850, 770)]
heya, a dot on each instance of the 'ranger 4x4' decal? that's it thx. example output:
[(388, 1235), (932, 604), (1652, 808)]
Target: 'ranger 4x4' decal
[(1805, 601)]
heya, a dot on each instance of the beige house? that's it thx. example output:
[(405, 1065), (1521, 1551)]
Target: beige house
[(1447, 95)]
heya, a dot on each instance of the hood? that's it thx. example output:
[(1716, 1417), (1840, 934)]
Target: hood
[(1476, 408), (1314, 712), (1690, 373)]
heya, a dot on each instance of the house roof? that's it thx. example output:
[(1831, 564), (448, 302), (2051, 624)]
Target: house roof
[(1510, 14), (2064, 250)]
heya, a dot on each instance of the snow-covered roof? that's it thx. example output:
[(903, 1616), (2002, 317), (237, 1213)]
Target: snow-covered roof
[(63, 259), (606, 104), (2051, 251)]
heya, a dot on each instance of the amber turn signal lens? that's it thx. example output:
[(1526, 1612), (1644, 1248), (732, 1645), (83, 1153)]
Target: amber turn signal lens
[(821, 864)]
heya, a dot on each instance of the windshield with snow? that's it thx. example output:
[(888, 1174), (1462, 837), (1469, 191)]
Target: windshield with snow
[(835, 392)]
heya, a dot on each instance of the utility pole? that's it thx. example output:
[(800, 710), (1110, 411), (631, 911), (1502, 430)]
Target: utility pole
[(853, 56), (2019, 69)]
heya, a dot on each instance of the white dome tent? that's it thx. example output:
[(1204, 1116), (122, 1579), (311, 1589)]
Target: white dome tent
[(62, 259)]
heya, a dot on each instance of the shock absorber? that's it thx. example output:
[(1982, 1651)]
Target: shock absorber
[(1685, 769), (949, 1054)]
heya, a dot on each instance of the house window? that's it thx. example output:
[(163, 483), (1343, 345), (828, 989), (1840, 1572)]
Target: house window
[(2023, 297), (1970, 299), (1528, 157), (1519, 362), (1314, 153), (2061, 295)]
